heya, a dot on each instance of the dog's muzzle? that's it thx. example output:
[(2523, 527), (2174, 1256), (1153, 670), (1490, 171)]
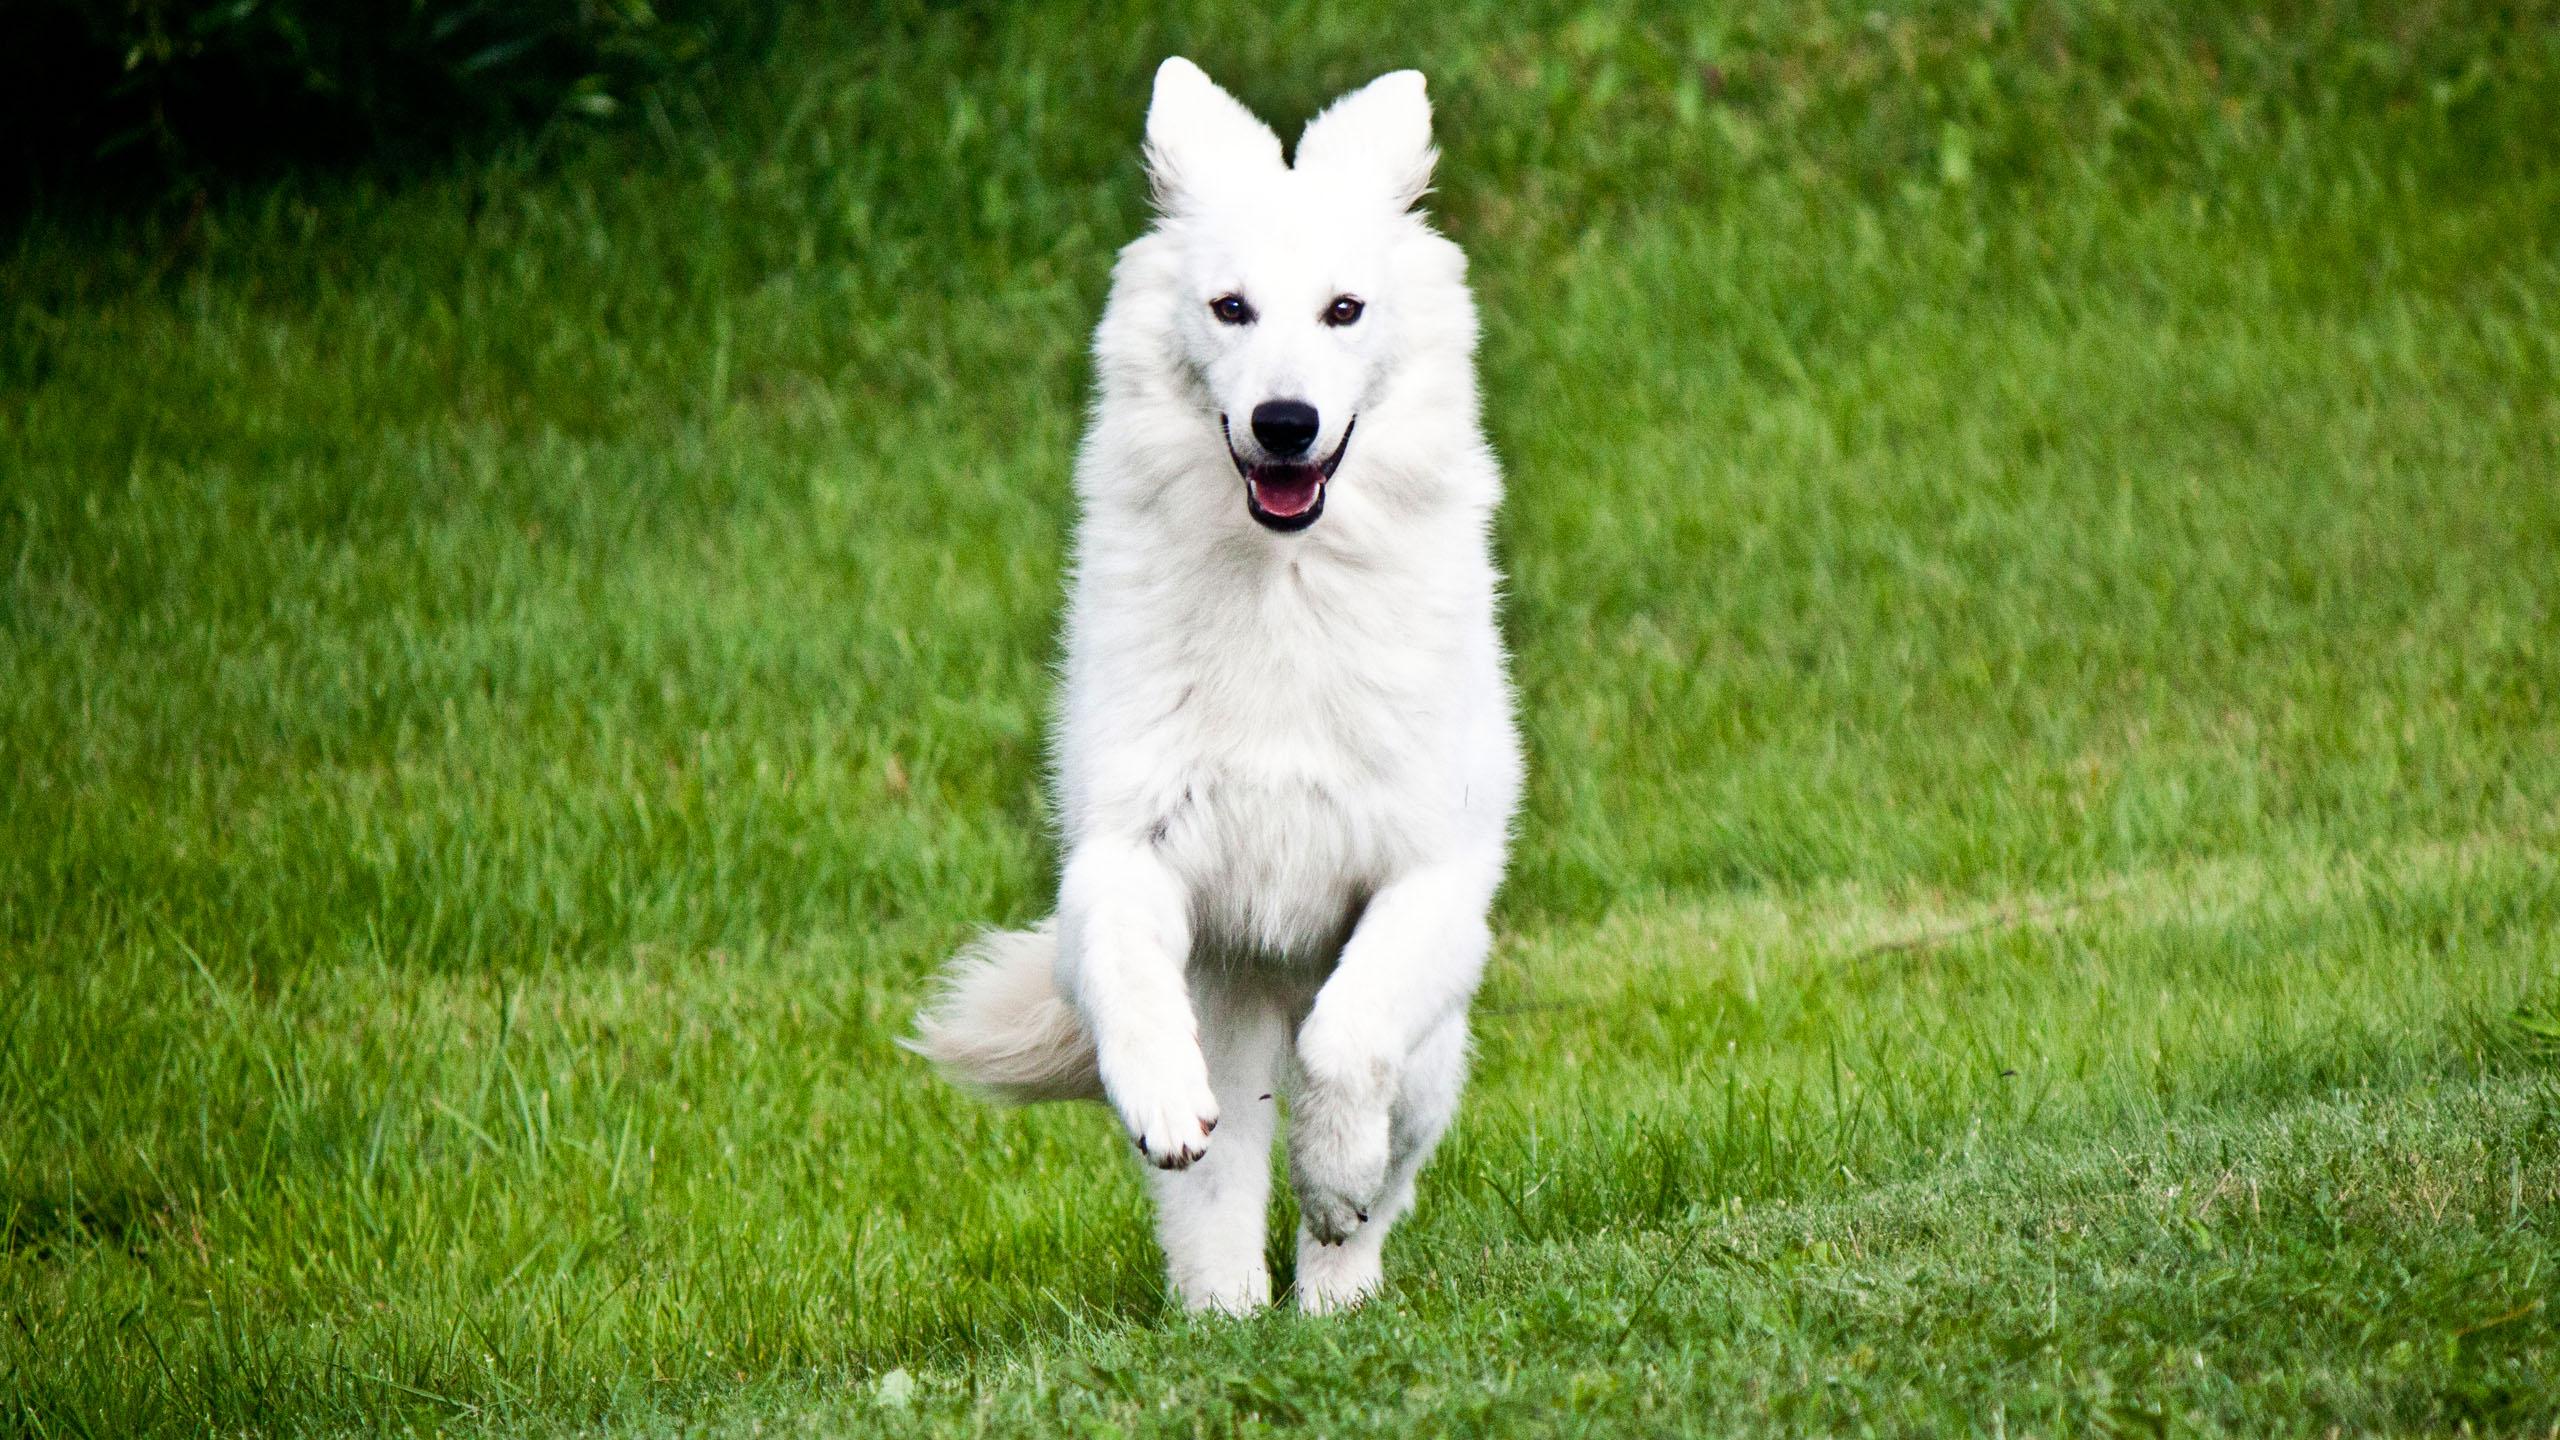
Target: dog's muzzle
[(1286, 496)]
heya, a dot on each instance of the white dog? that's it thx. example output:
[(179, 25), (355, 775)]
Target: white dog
[(1285, 758)]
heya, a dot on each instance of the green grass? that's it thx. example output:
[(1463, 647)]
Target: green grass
[(2036, 591)]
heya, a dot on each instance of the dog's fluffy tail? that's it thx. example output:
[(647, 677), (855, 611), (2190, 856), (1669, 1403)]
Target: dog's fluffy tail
[(1000, 1027)]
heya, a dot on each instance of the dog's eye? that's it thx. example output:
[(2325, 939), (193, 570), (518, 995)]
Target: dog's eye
[(1231, 310), (1344, 310)]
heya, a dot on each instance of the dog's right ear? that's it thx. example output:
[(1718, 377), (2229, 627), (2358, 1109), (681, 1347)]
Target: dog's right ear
[(1200, 138), (1380, 132)]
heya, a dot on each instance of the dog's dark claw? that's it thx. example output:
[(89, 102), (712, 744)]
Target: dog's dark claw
[(1207, 1126)]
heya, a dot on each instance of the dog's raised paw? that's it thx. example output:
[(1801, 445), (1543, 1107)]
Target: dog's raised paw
[(1169, 1121), (1171, 1141)]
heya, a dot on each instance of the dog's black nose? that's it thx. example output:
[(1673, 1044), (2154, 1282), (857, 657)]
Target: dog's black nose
[(1285, 427)]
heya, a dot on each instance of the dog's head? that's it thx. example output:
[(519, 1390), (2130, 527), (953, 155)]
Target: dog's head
[(1299, 289)]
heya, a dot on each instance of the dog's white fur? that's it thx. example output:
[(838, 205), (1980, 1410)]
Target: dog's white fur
[(1286, 761)]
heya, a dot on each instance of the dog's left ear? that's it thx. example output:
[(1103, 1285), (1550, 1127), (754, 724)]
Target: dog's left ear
[(1380, 132), (1199, 138)]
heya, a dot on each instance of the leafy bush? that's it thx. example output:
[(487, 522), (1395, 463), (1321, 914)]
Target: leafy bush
[(180, 89)]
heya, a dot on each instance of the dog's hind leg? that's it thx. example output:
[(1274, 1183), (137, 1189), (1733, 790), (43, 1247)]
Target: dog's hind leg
[(1211, 1217), (1340, 1275)]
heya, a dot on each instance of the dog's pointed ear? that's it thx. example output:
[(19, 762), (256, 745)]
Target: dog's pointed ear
[(1380, 133), (1199, 136)]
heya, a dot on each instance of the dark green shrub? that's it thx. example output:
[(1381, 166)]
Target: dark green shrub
[(101, 91)]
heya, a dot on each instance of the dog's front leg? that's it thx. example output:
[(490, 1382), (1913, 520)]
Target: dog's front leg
[(1409, 969), (1124, 939)]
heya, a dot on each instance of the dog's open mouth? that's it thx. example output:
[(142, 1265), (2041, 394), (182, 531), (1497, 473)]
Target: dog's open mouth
[(1287, 496)]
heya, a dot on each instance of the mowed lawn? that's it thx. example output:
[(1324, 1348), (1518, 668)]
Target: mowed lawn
[(2035, 554)]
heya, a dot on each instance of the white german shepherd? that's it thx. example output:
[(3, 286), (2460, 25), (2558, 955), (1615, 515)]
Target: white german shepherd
[(1285, 757)]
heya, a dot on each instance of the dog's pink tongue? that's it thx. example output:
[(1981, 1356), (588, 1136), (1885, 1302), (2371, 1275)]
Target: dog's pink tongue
[(1286, 492)]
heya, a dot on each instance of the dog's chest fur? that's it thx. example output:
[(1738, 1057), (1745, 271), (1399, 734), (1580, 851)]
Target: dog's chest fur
[(1283, 733)]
